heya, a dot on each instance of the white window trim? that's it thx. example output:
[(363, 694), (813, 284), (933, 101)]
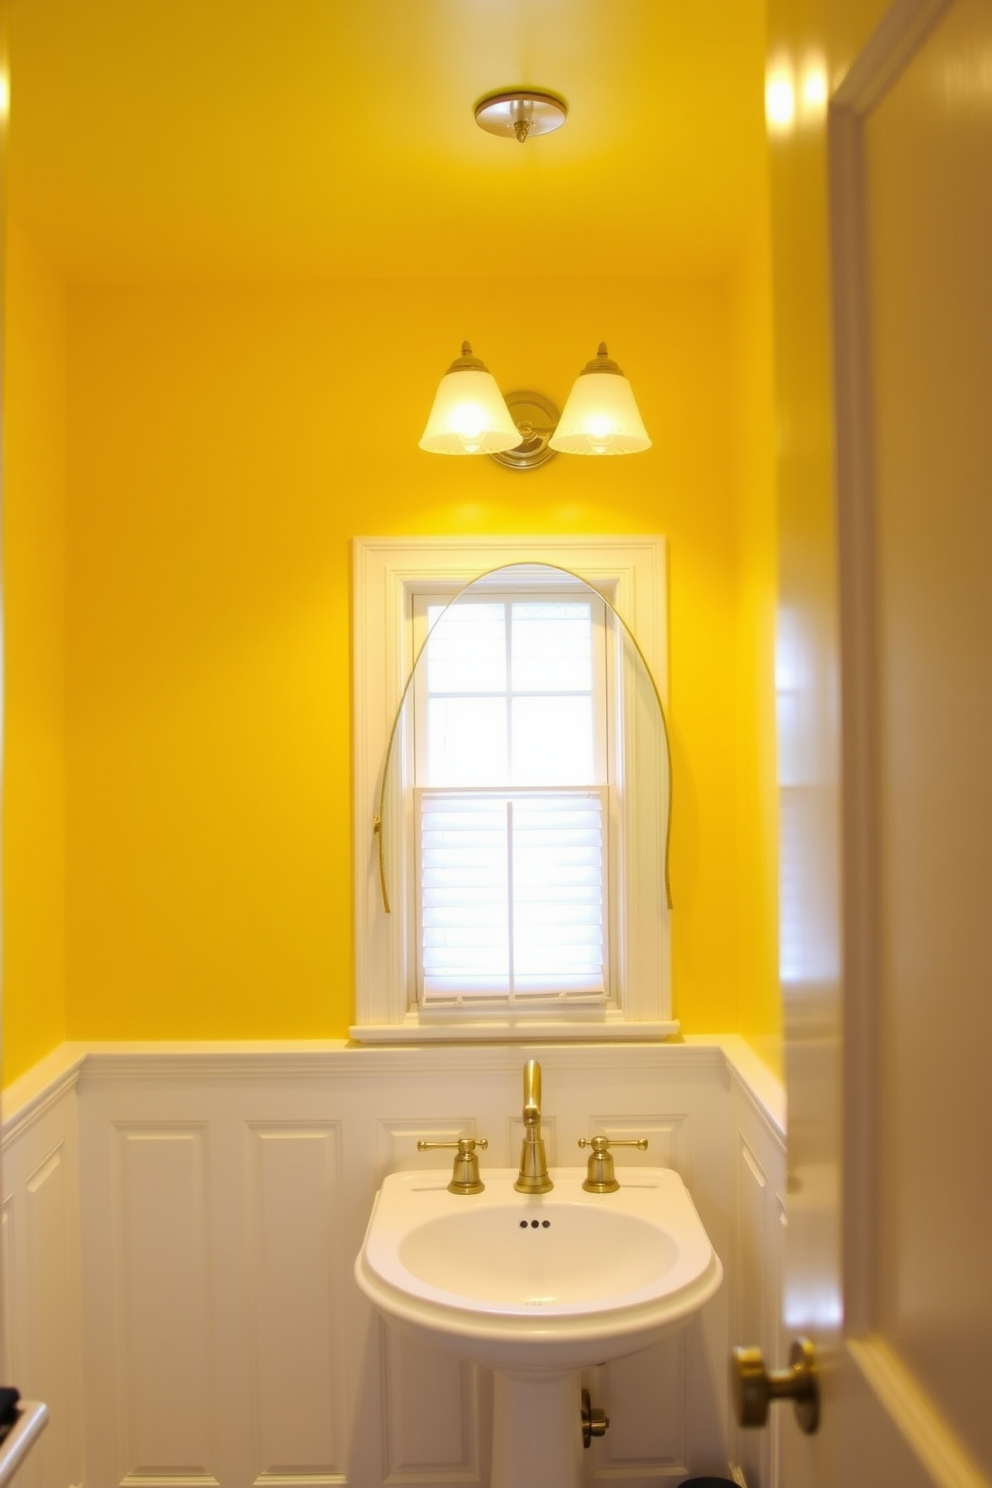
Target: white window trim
[(631, 572)]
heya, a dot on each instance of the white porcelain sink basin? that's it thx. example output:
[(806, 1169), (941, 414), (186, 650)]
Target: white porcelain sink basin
[(558, 1281)]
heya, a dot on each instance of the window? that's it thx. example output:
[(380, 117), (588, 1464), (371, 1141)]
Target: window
[(510, 793), (524, 813)]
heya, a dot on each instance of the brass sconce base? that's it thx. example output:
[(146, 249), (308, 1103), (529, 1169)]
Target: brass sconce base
[(537, 418)]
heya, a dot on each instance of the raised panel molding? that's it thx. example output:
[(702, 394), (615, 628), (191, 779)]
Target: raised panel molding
[(8, 1263), (296, 1312), (431, 1414), (163, 1305), (225, 1195), (169, 1479), (46, 1348), (755, 1274), (751, 1244), (645, 1397), (40, 1245), (668, 1141), (397, 1138)]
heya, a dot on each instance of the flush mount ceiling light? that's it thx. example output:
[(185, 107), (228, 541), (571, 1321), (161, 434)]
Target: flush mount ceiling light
[(519, 113), (523, 431)]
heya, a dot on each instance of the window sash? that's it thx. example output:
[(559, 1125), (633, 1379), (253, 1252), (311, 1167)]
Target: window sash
[(512, 895), (512, 694)]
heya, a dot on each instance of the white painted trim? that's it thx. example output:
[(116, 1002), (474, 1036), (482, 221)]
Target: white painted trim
[(599, 559), (763, 1089), (216, 1061), (632, 571), (84, 1064), (891, 48), (912, 1411), (27, 1098), (598, 1031), (896, 40), (856, 549), (41, 1250)]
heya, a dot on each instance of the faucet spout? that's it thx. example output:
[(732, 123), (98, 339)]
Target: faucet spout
[(532, 1093), (533, 1177)]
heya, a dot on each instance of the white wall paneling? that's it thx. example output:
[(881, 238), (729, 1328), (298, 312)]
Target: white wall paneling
[(224, 1194), (296, 1270), (754, 1274), (431, 1416), (10, 1279), (41, 1272), (160, 1303), (398, 1137)]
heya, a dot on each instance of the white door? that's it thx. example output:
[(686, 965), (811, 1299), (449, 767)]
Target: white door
[(887, 811)]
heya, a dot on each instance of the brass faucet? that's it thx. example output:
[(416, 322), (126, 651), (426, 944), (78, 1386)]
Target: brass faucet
[(465, 1178), (600, 1174), (533, 1176)]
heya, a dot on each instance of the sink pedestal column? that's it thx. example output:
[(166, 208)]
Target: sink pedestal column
[(537, 1429)]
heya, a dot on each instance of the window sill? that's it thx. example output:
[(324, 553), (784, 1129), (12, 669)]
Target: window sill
[(503, 1030)]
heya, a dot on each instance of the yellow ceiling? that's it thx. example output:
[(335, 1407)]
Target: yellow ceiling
[(165, 139)]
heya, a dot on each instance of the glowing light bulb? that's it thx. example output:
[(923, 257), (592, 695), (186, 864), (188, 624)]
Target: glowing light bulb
[(600, 431), (469, 416), (600, 416), (468, 421)]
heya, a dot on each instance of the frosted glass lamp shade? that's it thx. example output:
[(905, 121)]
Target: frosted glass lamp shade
[(601, 416), (469, 416)]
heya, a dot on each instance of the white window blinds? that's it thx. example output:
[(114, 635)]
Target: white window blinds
[(511, 890)]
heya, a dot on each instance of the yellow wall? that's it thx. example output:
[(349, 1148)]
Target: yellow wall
[(34, 565), (223, 446), (810, 46), (760, 1012)]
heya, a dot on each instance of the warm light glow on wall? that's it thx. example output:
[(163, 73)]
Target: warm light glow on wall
[(813, 89), (793, 99), (780, 99)]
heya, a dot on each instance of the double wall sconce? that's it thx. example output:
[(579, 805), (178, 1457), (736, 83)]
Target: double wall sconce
[(471, 417)]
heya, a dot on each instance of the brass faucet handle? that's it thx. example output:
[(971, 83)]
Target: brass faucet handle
[(464, 1145), (600, 1144), (465, 1177), (600, 1175)]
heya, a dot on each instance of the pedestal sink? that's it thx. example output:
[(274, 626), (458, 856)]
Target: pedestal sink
[(537, 1288)]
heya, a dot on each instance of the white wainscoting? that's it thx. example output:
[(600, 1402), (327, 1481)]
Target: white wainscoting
[(757, 1198), (213, 1210), (41, 1258)]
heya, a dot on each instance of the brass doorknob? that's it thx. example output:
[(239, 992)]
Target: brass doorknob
[(755, 1387)]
